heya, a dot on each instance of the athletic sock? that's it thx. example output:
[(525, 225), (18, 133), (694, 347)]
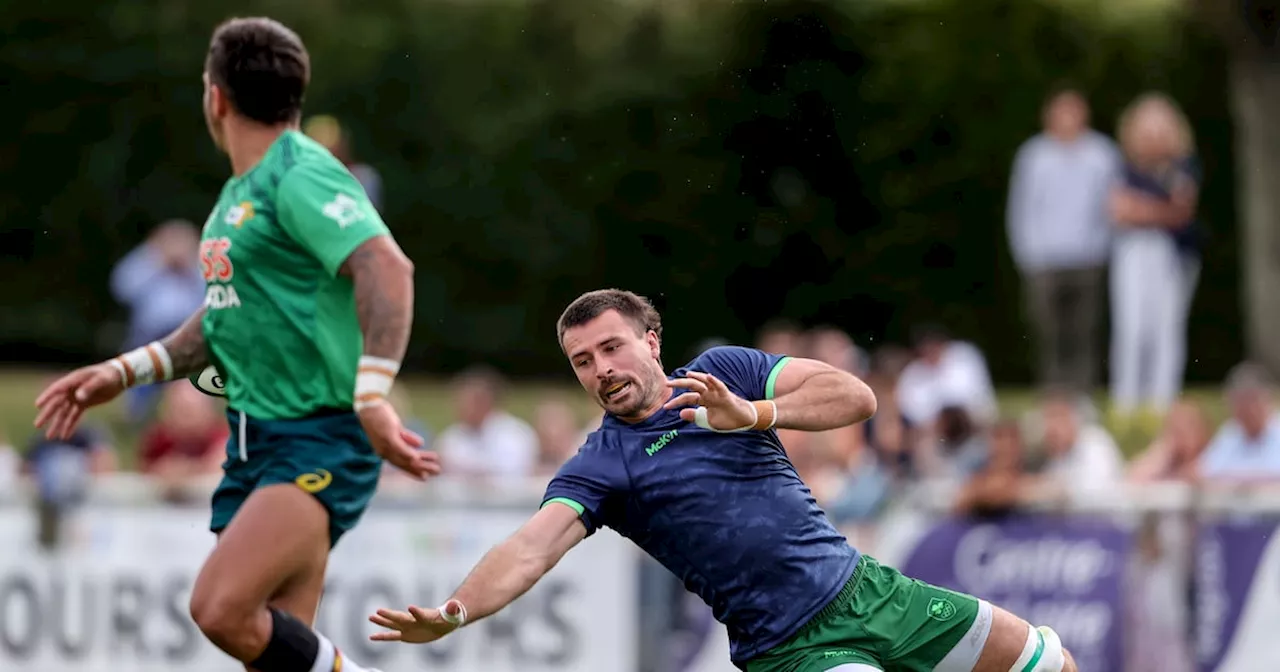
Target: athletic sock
[(294, 647)]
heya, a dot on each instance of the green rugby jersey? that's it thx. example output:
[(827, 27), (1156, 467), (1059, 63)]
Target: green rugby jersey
[(279, 322)]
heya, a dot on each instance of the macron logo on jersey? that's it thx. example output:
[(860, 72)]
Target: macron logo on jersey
[(661, 442), (344, 210)]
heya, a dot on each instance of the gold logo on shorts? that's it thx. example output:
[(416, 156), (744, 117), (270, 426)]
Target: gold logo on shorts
[(941, 610), (314, 482)]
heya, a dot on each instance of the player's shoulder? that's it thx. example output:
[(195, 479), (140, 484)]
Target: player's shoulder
[(301, 160), (598, 441), (722, 355)]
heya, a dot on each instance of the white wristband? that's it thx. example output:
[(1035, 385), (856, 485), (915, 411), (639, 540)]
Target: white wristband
[(374, 378), (700, 419), (457, 620), (149, 364)]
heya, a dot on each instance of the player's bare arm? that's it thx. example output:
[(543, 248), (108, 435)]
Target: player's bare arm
[(383, 280), (505, 573), (808, 395), (63, 403), (814, 396), (186, 347), (382, 277)]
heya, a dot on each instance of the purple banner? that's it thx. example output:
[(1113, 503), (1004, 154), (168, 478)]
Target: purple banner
[(1227, 559), (1067, 574)]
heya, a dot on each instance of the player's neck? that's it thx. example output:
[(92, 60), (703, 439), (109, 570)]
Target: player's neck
[(248, 142), (645, 414)]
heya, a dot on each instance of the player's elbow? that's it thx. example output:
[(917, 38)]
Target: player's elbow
[(862, 401), (395, 261)]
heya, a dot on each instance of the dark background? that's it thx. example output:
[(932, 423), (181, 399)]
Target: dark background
[(829, 162)]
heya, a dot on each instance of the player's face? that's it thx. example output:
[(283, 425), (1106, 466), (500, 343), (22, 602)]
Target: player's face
[(617, 366), (214, 110)]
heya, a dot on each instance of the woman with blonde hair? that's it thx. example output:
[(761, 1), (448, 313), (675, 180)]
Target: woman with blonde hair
[(1155, 259)]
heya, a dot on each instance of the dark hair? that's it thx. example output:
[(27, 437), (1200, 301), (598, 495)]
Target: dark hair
[(261, 66), (589, 306)]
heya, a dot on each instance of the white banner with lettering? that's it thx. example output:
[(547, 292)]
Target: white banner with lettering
[(116, 598)]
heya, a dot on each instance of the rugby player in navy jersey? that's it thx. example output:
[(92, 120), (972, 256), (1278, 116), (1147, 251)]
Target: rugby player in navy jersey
[(689, 468)]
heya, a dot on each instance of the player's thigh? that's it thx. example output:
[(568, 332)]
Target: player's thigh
[(278, 538), (330, 459), (913, 626)]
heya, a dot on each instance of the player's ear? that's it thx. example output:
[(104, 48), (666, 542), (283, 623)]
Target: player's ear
[(655, 346)]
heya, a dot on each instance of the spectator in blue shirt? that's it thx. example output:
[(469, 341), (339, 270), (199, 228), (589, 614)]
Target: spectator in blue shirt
[(1246, 448)]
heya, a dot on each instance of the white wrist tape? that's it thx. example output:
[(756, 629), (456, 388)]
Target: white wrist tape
[(700, 419), (149, 364), (374, 378), (456, 620)]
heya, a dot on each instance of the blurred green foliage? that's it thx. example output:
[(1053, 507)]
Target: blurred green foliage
[(831, 161)]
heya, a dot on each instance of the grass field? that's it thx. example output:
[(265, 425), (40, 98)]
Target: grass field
[(430, 402)]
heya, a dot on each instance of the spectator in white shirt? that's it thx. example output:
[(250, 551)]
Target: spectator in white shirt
[(945, 373), (1081, 457), (486, 443), (1246, 447)]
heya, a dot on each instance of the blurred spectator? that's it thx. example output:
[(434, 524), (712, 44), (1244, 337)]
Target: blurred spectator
[(782, 337), (327, 131), (1155, 602), (559, 435), (187, 442), (62, 470), (1059, 235), (835, 347), (486, 442), (960, 449), (889, 433), (1175, 454), (1247, 446), (1002, 482), (1156, 260), (1081, 458), (858, 487), (159, 282), (945, 372)]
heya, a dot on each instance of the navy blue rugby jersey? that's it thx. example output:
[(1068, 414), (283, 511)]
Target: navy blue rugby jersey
[(726, 513)]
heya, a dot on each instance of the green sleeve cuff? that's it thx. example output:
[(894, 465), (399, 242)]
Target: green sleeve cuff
[(773, 377), (567, 502)]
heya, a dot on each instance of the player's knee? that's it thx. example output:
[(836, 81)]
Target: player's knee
[(226, 621), (1043, 652)]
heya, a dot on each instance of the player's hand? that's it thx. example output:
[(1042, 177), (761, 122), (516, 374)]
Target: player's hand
[(415, 626), (62, 404), (725, 410), (397, 445)]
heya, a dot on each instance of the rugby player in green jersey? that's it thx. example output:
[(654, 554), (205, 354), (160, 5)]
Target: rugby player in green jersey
[(307, 314)]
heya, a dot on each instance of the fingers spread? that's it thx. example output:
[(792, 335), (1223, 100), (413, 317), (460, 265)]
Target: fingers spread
[(688, 384), (686, 399)]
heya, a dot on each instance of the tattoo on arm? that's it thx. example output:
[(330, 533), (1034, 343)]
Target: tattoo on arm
[(186, 346), (383, 279)]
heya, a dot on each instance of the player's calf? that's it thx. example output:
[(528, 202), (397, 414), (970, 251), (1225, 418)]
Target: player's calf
[(1013, 645)]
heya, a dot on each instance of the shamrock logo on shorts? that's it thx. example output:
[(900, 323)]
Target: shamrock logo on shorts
[(941, 610)]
